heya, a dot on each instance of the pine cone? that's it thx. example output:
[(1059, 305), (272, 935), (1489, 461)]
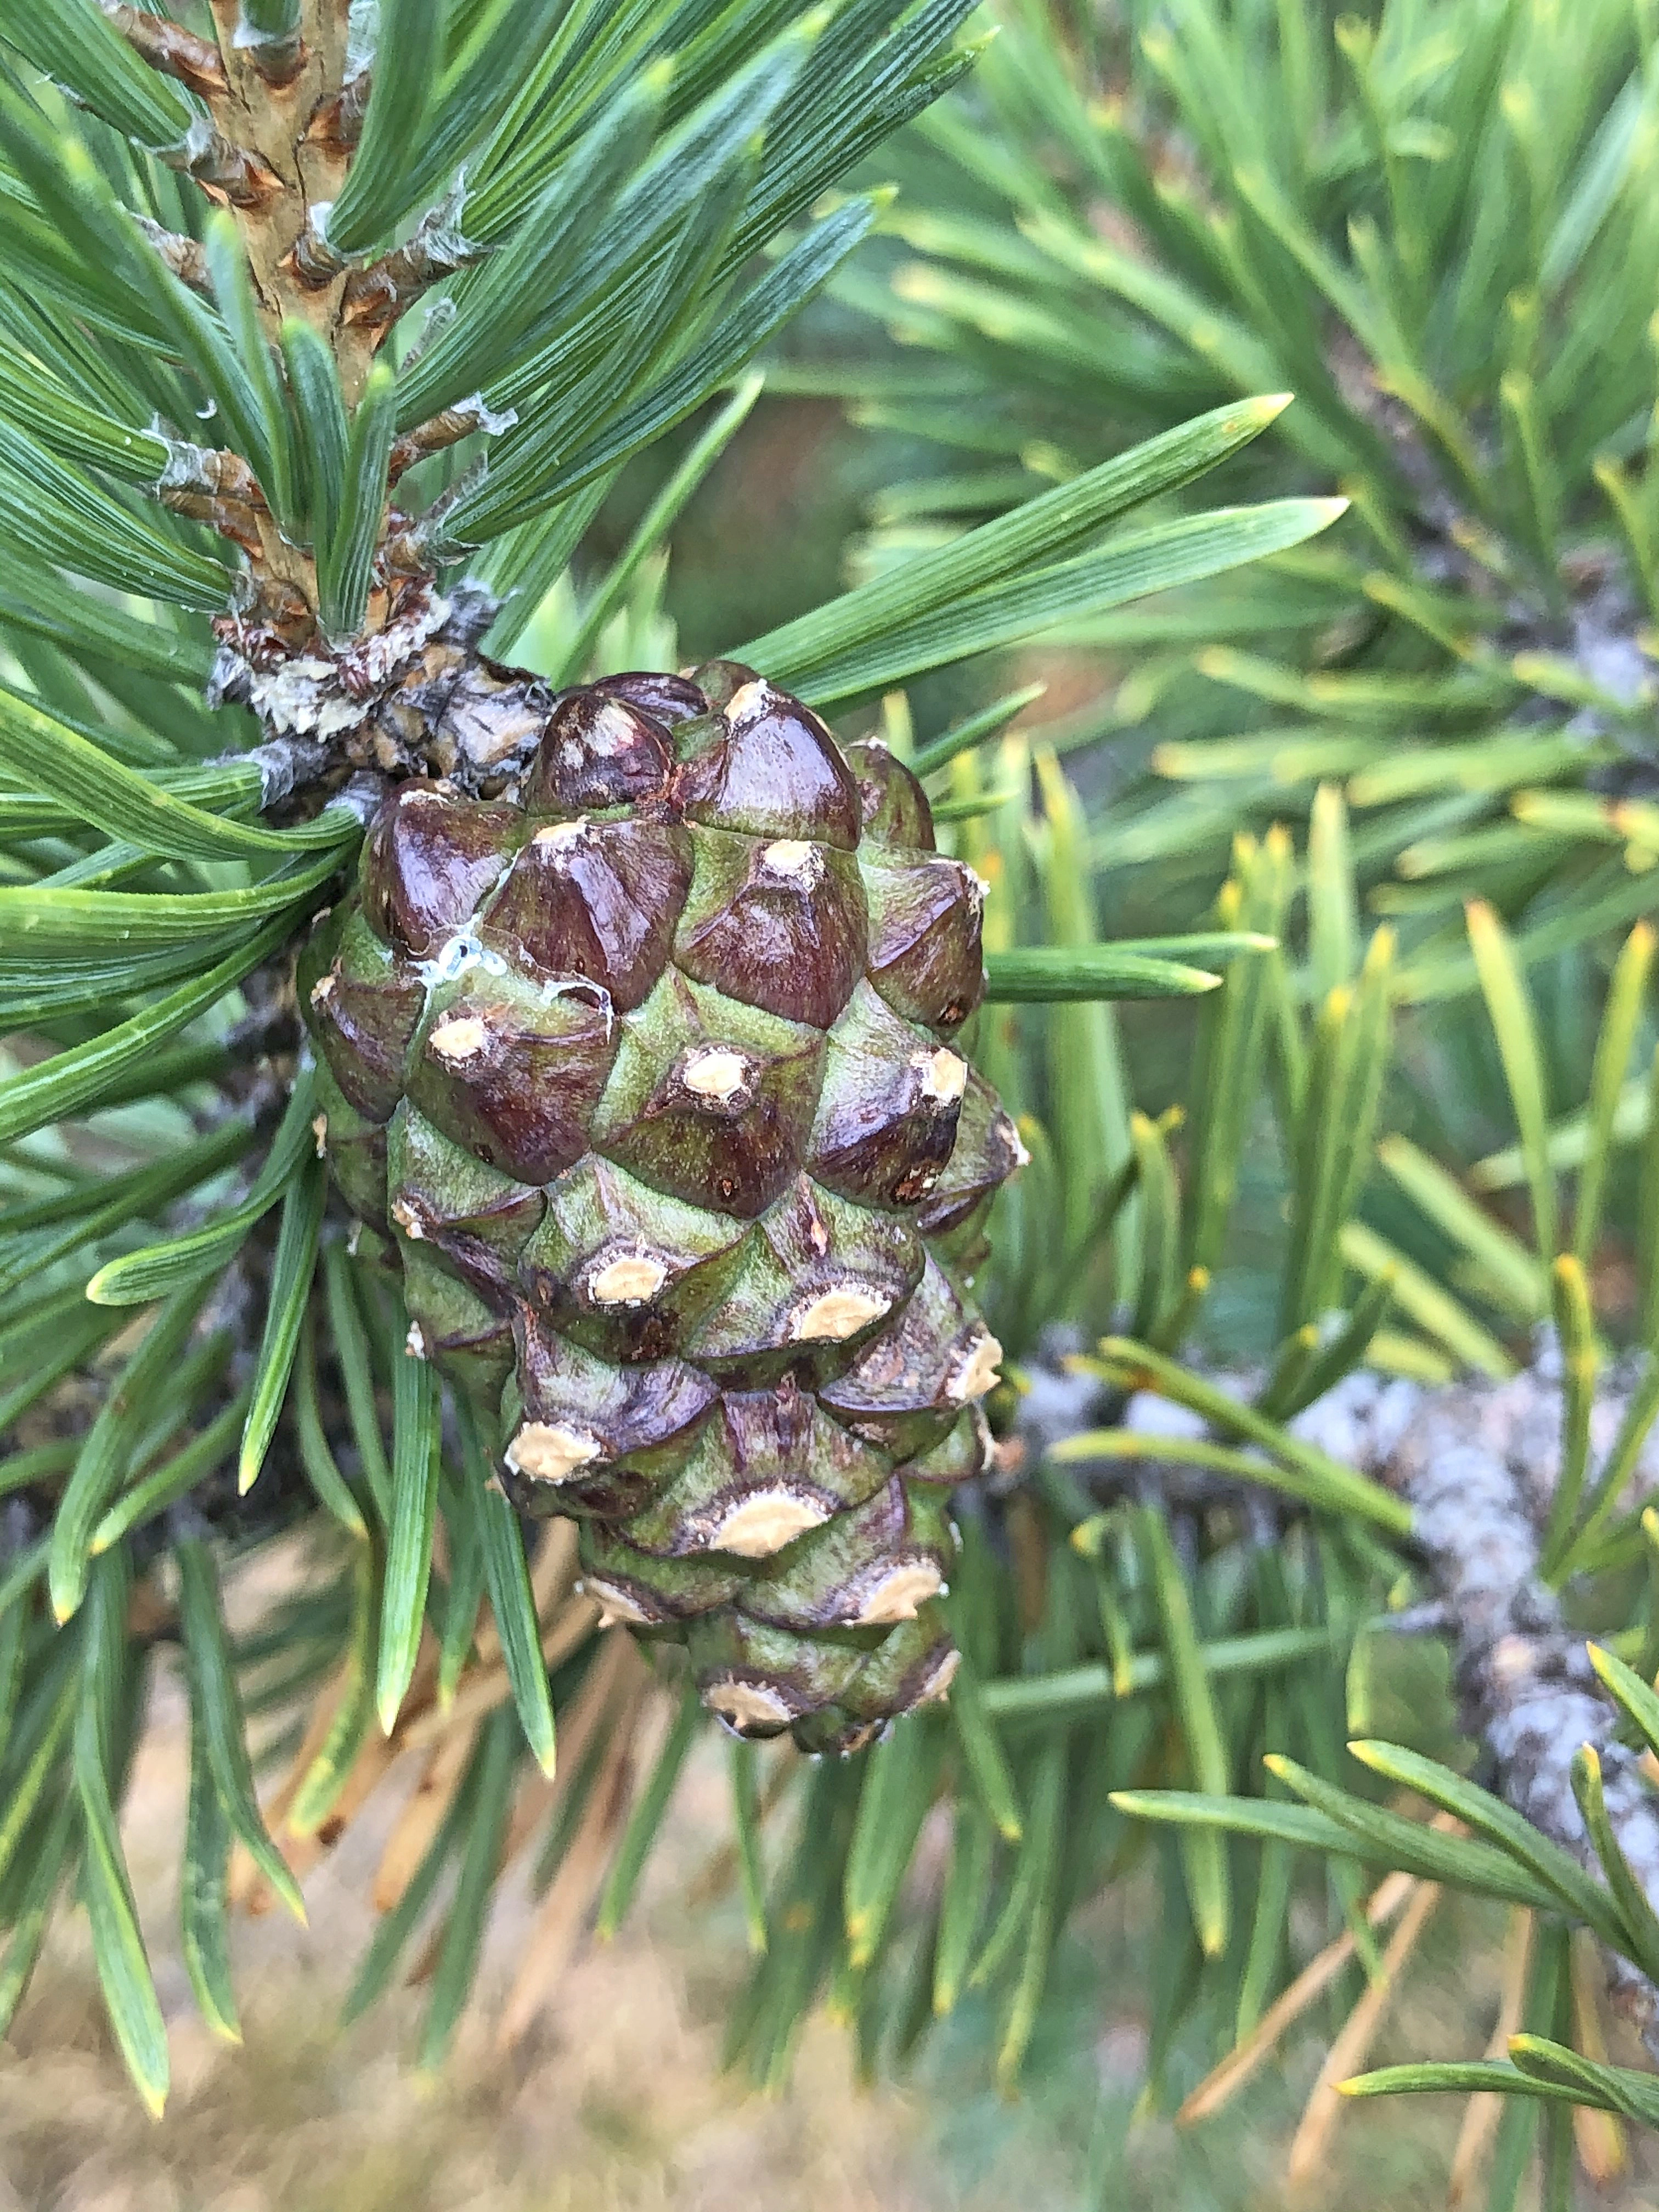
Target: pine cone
[(647, 1074)]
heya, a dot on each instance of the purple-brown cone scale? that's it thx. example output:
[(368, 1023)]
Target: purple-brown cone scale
[(650, 1077)]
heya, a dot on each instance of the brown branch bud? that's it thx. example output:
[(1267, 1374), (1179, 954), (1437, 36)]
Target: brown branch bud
[(376, 296), (173, 50), (404, 556), (231, 517), (338, 123), (212, 470), (278, 60), (227, 173), (184, 256), (311, 263), (263, 637), (440, 432)]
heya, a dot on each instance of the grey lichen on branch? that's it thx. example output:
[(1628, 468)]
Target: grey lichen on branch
[(1477, 1460), (415, 697)]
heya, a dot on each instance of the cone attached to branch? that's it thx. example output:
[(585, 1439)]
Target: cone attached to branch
[(650, 1073)]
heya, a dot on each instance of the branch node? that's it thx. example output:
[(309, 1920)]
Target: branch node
[(170, 49)]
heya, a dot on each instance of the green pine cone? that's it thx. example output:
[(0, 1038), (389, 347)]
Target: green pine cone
[(644, 1073)]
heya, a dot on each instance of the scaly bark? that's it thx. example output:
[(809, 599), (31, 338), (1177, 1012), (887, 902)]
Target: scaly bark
[(1478, 1461)]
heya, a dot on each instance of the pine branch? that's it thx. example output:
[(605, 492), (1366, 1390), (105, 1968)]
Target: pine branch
[(1478, 1461), (1479, 1464)]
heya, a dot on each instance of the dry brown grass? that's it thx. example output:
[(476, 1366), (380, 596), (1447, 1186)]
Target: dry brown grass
[(615, 2101), (613, 2104)]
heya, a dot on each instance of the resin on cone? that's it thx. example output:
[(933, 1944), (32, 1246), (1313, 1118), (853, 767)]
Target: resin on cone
[(649, 1072)]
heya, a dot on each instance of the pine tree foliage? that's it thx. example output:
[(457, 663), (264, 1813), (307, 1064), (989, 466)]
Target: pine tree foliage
[(1436, 225), (327, 331)]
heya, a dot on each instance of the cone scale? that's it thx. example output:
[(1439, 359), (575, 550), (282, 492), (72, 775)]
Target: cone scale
[(648, 1072)]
